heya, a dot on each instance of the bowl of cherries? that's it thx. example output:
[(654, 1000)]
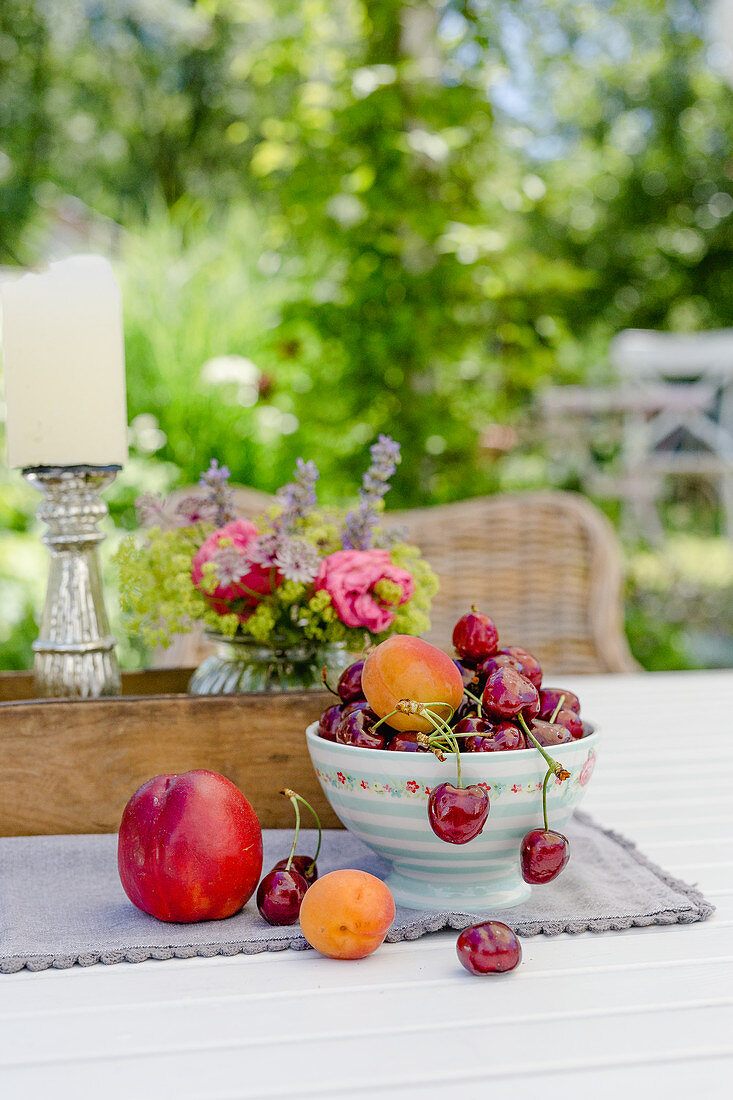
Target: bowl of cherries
[(461, 772)]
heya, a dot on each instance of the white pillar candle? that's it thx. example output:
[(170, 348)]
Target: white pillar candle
[(64, 364)]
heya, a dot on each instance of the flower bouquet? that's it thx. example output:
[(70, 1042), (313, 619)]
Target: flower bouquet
[(282, 594)]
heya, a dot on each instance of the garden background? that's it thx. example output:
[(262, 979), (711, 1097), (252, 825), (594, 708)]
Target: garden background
[(334, 218)]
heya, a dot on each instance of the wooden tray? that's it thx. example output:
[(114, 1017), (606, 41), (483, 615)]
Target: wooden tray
[(69, 766)]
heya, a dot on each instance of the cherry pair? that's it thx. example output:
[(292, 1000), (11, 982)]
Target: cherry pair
[(281, 892)]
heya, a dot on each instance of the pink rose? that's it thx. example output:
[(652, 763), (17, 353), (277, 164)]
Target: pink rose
[(349, 577), (242, 533)]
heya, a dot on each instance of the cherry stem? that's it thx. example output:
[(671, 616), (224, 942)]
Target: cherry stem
[(558, 708), (296, 807), (557, 769), (449, 737), (440, 727), (544, 797), (441, 704), (432, 744), (324, 679), (295, 798), (381, 720), (476, 700)]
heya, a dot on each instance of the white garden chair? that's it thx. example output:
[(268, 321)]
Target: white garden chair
[(691, 433)]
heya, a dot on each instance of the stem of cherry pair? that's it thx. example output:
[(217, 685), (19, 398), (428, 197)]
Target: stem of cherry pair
[(555, 767), (476, 700), (558, 708), (442, 735), (548, 773), (295, 799)]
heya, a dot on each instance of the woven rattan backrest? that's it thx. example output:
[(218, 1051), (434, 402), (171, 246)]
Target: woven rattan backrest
[(545, 566)]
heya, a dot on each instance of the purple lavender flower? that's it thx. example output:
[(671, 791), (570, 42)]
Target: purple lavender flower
[(215, 475), (219, 495), (293, 557), (298, 498), (360, 522)]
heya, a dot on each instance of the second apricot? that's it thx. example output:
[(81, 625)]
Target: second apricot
[(403, 667), (347, 914)]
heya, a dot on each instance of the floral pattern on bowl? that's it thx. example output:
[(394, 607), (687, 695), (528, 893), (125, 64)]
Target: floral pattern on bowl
[(381, 797)]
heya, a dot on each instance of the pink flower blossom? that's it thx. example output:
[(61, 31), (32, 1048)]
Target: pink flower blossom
[(253, 578), (412, 786), (587, 770), (350, 576)]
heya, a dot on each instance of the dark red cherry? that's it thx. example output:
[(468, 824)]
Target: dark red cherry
[(490, 948), (473, 725), (457, 814), (543, 854), (279, 896), (548, 733), (355, 729), (358, 704), (328, 721), (509, 693), (503, 737), (529, 666), (406, 741), (475, 636), (304, 865), (571, 721), (349, 685), (550, 697), (499, 660)]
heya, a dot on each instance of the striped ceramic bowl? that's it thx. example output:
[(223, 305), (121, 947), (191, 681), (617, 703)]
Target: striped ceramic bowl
[(381, 797)]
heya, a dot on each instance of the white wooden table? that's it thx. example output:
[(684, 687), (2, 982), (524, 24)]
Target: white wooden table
[(648, 1012)]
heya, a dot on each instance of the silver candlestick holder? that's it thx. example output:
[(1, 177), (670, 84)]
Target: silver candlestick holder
[(75, 652)]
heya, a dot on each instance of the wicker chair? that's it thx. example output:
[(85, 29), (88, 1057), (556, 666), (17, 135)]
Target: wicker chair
[(545, 566)]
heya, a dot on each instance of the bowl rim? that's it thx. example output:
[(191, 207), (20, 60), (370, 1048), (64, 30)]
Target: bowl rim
[(312, 735)]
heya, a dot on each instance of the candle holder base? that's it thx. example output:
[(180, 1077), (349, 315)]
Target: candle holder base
[(75, 652)]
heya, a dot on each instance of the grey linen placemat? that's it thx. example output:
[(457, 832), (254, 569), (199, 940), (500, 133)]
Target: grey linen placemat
[(61, 901)]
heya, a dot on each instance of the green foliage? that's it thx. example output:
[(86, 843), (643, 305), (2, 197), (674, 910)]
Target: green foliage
[(194, 298), (410, 217), (680, 603), (156, 588)]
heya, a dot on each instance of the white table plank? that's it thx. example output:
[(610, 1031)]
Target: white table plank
[(650, 1008)]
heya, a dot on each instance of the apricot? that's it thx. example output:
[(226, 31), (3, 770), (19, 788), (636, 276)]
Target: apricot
[(347, 914), (403, 667)]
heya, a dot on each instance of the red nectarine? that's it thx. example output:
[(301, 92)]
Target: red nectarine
[(189, 847)]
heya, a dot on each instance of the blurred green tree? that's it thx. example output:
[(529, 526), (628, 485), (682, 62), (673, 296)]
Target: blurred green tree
[(451, 204), (409, 215)]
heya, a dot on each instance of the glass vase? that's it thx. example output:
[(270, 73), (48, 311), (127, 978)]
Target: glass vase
[(242, 665)]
